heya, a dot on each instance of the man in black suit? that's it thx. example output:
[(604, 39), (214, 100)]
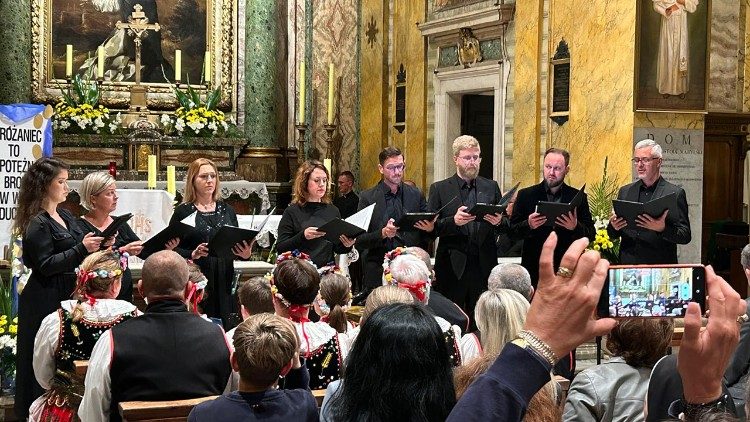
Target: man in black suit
[(655, 239), (466, 251), (529, 225), (392, 199), (347, 200)]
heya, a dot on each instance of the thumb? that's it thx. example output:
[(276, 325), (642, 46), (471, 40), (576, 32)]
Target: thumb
[(89, 234)]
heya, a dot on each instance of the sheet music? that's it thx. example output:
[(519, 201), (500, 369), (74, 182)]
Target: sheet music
[(190, 219), (362, 217)]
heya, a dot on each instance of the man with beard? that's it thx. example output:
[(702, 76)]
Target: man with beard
[(528, 224), (467, 251), (654, 240), (392, 199)]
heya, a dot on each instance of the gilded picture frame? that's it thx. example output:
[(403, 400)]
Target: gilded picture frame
[(671, 71), (192, 26)]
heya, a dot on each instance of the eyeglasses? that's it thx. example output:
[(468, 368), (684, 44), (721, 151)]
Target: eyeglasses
[(396, 167), (645, 160), (207, 176), (470, 158)]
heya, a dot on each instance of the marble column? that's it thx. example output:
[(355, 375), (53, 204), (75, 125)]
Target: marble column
[(15, 51), (263, 158)]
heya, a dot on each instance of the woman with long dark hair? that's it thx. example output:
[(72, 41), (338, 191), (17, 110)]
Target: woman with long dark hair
[(398, 370), (53, 246)]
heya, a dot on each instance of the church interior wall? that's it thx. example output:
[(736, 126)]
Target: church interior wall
[(15, 44)]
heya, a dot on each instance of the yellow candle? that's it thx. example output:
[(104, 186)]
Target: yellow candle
[(100, 62), (68, 60), (178, 65), (330, 94), (151, 171), (327, 165), (301, 108), (171, 180), (207, 66)]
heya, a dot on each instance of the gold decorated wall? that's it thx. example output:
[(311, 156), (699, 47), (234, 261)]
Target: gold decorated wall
[(601, 43), (384, 49)]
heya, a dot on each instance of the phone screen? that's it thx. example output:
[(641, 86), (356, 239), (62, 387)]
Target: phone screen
[(654, 291)]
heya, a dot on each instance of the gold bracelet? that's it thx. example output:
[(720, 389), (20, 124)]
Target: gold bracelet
[(539, 346)]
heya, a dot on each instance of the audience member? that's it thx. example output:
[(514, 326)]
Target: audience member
[(265, 347), (440, 305), (738, 371), (295, 286), (382, 382), (69, 334), (410, 273), (334, 299), (378, 297), (513, 277), (500, 315), (544, 406), (168, 353), (616, 389), (254, 296)]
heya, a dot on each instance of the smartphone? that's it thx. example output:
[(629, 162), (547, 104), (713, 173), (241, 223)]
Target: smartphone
[(652, 290)]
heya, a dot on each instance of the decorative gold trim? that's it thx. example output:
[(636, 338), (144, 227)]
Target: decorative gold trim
[(220, 39)]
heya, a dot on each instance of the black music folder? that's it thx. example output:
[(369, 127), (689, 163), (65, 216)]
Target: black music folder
[(552, 210), (174, 230), (408, 220), (482, 209), (630, 210), (336, 227), (227, 237), (115, 225)]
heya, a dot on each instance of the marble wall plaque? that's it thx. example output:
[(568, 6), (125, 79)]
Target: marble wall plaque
[(683, 166)]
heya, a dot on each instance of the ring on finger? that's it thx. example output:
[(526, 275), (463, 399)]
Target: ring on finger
[(564, 272), (742, 319)]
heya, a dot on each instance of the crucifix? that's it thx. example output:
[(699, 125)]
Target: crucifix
[(138, 27)]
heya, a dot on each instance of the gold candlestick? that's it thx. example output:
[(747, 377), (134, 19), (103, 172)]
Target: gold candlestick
[(329, 138), (301, 129)]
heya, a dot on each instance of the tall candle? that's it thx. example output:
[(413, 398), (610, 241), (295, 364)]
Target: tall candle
[(207, 66), (151, 171), (178, 65), (327, 165), (301, 108), (68, 60), (330, 94), (100, 62), (171, 180)]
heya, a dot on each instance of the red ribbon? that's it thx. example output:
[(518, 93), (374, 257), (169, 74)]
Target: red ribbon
[(417, 289)]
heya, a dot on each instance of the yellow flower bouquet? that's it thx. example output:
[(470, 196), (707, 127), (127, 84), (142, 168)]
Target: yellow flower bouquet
[(79, 110), (600, 201), (196, 117)]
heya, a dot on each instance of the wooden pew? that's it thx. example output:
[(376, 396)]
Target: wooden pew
[(159, 411), (81, 366), (319, 394)]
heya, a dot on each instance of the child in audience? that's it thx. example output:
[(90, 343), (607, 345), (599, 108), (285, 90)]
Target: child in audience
[(70, 333), (334, 299), (294, 285), (254, 296), (266, 347)]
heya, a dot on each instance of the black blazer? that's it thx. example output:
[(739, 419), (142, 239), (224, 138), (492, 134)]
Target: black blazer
[(454, 240), (641, 246), (372, 242), (534, 239)]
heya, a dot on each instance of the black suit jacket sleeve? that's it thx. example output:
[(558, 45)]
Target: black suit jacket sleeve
[(523, 208), (445, 225), (374, 237), (585, 227)]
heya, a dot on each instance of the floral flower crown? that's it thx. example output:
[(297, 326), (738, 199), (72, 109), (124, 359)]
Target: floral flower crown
[(285, 256), (333, 269), (83, 277), (419, 289)]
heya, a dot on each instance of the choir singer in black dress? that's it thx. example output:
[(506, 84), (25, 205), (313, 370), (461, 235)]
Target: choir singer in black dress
[(53, 246), (311, 208), (99, 197), (202, 198)]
